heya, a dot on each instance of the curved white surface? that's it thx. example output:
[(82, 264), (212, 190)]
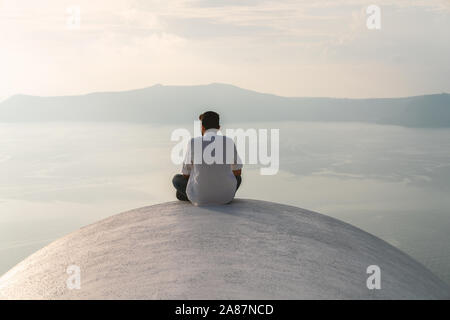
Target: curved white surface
[(246, 250)]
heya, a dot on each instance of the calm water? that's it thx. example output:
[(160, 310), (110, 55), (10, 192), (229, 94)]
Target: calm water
[(391, 181)]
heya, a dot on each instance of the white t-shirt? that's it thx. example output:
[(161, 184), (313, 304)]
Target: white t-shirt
[(210, 161)]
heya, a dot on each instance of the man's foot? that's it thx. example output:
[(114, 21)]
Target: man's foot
[(181, 196)]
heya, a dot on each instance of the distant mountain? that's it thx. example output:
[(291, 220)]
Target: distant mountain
[(180, 104)]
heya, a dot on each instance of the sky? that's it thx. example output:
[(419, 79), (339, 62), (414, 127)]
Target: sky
[(285, 47)]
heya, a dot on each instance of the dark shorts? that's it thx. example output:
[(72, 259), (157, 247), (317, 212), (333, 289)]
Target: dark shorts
[(180, 183)]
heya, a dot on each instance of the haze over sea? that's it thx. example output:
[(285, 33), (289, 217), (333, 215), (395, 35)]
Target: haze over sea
[(391, 181)]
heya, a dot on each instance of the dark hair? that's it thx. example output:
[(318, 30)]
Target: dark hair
[(210, 119)]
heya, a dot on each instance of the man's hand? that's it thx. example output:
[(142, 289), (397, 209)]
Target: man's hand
[(237, 172)]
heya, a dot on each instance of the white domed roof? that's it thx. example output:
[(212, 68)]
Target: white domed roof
[(246, 250)]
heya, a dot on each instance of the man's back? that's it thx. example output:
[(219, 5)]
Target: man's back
[(210, 161)]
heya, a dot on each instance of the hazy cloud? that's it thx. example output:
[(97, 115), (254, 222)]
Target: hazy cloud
[(289, 47)]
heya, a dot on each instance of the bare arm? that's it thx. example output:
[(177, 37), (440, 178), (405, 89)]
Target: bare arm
[(236, 167), (187, 163)]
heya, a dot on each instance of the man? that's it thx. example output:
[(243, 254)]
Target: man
[(211, 172)]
